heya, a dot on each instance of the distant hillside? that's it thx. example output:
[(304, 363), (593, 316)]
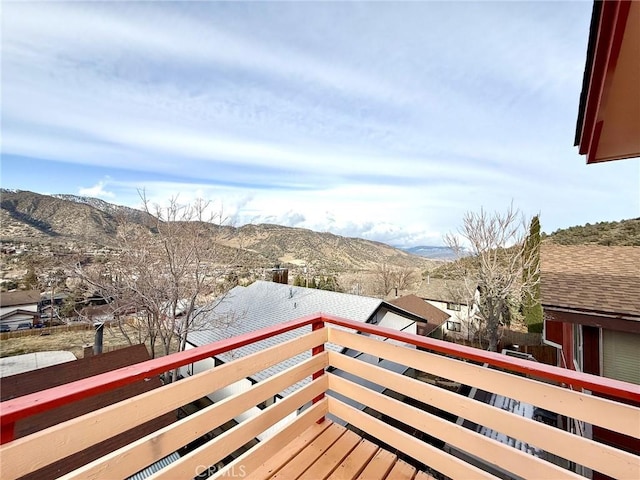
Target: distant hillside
[(34, 217), (432, 252), (28, 216), (136, 216), (305, 247), (624, 232)]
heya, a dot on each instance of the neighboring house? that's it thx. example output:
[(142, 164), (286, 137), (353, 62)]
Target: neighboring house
[(436, 319), (595, 317), (591, 300), (264, 304), (50, 303), (67, 372), (19, 307), (453, 298)]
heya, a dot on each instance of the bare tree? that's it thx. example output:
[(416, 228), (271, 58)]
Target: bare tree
[(389, 277), (166, 275), (385, 278), (496, 244)]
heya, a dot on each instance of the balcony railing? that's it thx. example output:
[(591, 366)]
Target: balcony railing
[(336, 386)]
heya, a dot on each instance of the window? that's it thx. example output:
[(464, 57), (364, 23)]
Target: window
[(453, 326), (577, 346), (453, 306), (621, 356)]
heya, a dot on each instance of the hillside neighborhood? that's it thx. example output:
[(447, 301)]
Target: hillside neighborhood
[(166, 342)]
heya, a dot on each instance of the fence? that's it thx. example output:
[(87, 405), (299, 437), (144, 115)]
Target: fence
[(46, 330), (530, 343)]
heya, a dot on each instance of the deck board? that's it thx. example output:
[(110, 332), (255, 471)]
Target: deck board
[(379, 466), (423, 476), (354, 464), (402, 471), (329, 460), (301, 462), (330, 451), (276, 462)]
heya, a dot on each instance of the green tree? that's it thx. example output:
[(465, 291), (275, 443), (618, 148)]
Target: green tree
[(531, 306), (312, 283), (298, 281)]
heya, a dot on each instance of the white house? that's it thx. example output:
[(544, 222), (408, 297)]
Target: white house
[(454, 298), (19, 307)]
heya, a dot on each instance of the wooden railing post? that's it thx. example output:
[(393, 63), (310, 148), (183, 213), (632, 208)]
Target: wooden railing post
[(317, 325)]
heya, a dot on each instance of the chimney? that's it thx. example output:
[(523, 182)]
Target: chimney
[(280, 275), (97, 345)]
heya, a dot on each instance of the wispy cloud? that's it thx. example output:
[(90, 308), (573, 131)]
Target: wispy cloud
[(380, 120), (97, 191)]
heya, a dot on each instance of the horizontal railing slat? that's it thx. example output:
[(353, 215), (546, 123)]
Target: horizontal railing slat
[(147, 450), (13, 410), (421, 451), (606, 386), (82, 432), (510, 459), (597, 456), (218, 448), (620, 417)]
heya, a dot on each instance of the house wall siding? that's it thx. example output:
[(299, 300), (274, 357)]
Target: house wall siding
[(29, 308), (462, 317)]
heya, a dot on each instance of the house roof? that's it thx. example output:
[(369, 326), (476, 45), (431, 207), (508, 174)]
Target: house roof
[(48, 377), (609, 112), (14, 299), (418, 306), (263, 304), (32, 361), (19, 311), (591, 278), (441, 290)]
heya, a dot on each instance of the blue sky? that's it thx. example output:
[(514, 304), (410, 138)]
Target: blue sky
[(383, 120)]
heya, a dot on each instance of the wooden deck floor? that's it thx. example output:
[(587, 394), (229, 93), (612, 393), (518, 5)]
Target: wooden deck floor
[(330, 451)]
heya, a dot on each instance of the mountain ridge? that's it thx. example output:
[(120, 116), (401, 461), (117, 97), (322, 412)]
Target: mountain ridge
[(42, 218)]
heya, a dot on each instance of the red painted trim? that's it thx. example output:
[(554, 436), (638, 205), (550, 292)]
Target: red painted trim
[(597, 77), (7, 433), (594, 383), (613, 21)]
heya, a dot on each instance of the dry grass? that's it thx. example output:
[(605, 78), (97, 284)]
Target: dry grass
[(71, 341)]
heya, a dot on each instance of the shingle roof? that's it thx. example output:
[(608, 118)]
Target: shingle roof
[(416, 305), (27, 297), (264, 304), (591, 277)]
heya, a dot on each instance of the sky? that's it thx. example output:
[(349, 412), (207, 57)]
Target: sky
[(380, 120)]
